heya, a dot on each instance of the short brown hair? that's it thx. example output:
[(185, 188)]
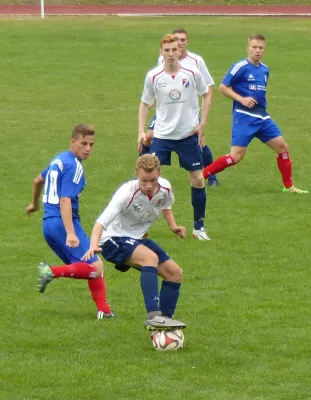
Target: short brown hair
[(256, 36), (82, 130), (168, 38), (148, 162), (180, 30)]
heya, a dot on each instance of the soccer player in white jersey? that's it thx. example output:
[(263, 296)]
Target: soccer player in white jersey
[(246, 84), (118, 234), (179, 127), (188, 60)]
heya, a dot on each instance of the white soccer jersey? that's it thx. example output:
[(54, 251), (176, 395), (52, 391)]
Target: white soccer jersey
[(177, 100), (194, 60), (131, 213)]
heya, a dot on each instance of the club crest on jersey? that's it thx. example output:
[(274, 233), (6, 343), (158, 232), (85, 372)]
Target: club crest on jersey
[(185, 82), (159, 202), (174, 94)]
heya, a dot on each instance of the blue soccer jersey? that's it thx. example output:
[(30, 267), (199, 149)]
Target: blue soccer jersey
[(64, 177), (249, 80)]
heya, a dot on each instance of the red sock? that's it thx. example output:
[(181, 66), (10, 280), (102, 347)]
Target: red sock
[(218, 165), (98, 291), (285, 167), (78, 270)]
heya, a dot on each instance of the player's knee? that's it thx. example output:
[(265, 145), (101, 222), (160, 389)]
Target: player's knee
[(99, 266), (197, 181), (151, 259), (178, 273), (237, 157)]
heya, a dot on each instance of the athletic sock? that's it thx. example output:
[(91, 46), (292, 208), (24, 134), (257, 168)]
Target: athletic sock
[(168, 297), (198, 199), (98, 291), (218, 165), (149, 287), (285, 167), (78, 270)]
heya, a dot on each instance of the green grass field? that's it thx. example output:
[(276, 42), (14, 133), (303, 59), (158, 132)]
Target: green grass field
[(246, 294)]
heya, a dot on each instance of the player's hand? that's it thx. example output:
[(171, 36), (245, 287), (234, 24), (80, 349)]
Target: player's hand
[(72, 240), (91, 252), (31, 209), (180, 231), (248, 102), (141, 139), (199, 130)]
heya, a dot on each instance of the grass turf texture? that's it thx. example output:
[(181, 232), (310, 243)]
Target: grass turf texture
[(246, 294)]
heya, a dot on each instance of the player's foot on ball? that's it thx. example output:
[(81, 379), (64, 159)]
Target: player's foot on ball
[(163, 322), (103, 314), (200, 234), (293, 189), (45, 276)]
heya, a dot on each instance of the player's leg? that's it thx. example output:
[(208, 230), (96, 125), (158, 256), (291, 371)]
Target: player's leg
[(188, 152), (243, 131), (207, 157), (149, 135), (131, 252), (162, 148), (271, 135)]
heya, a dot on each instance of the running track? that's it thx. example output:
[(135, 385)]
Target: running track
[(139, 10)]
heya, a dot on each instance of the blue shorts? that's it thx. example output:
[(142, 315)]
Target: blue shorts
[(152, 122), (245, 128), (55, 235), (188, 151), (118, 249)]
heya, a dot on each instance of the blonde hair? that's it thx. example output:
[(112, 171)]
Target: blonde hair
[(256, 36), (148, 162), (169, 38)]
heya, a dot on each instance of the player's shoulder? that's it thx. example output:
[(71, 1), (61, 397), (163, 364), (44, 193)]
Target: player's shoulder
[(239, 66), (195, 57), (62, 159), (165, 184), (156, 71), (264, 66)]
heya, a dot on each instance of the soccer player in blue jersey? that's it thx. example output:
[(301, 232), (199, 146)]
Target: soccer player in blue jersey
[(63, 181), (246, 84)]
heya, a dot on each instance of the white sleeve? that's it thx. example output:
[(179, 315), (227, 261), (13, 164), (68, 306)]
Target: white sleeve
[(205, 72), (148, 93), (114, 207), (169, 201), (200, 83)]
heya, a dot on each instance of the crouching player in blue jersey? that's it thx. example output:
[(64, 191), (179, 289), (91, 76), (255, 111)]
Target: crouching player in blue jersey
[(246, 84), (118, 235), (63, 181)]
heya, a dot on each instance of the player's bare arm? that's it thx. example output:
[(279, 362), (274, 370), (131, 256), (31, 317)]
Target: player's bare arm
[(37, 186), (205, 107), (142, 116), (248, 102), (169, 218), (94, 242), (66, 214)]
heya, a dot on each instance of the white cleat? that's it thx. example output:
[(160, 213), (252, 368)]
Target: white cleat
[(163, 322), (200, 234)]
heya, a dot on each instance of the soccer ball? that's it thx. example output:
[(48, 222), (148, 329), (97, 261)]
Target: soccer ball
[(167, 340)]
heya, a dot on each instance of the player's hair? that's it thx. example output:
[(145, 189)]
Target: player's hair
[(180, 30), (148, 162), (82, 130), (169, 38), (256, 36)]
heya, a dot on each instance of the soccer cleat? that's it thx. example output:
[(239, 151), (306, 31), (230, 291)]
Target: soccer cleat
[(200, 234), (162, 322), (103, 315), (45, 276), (212, 182), (293, 189)]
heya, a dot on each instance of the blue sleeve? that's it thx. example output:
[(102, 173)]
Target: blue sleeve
[(232, 76), (67, 187)]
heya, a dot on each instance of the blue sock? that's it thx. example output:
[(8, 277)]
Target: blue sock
[(207, 157), (198, 198), (144, 150), (168, 297), (149, 287)]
